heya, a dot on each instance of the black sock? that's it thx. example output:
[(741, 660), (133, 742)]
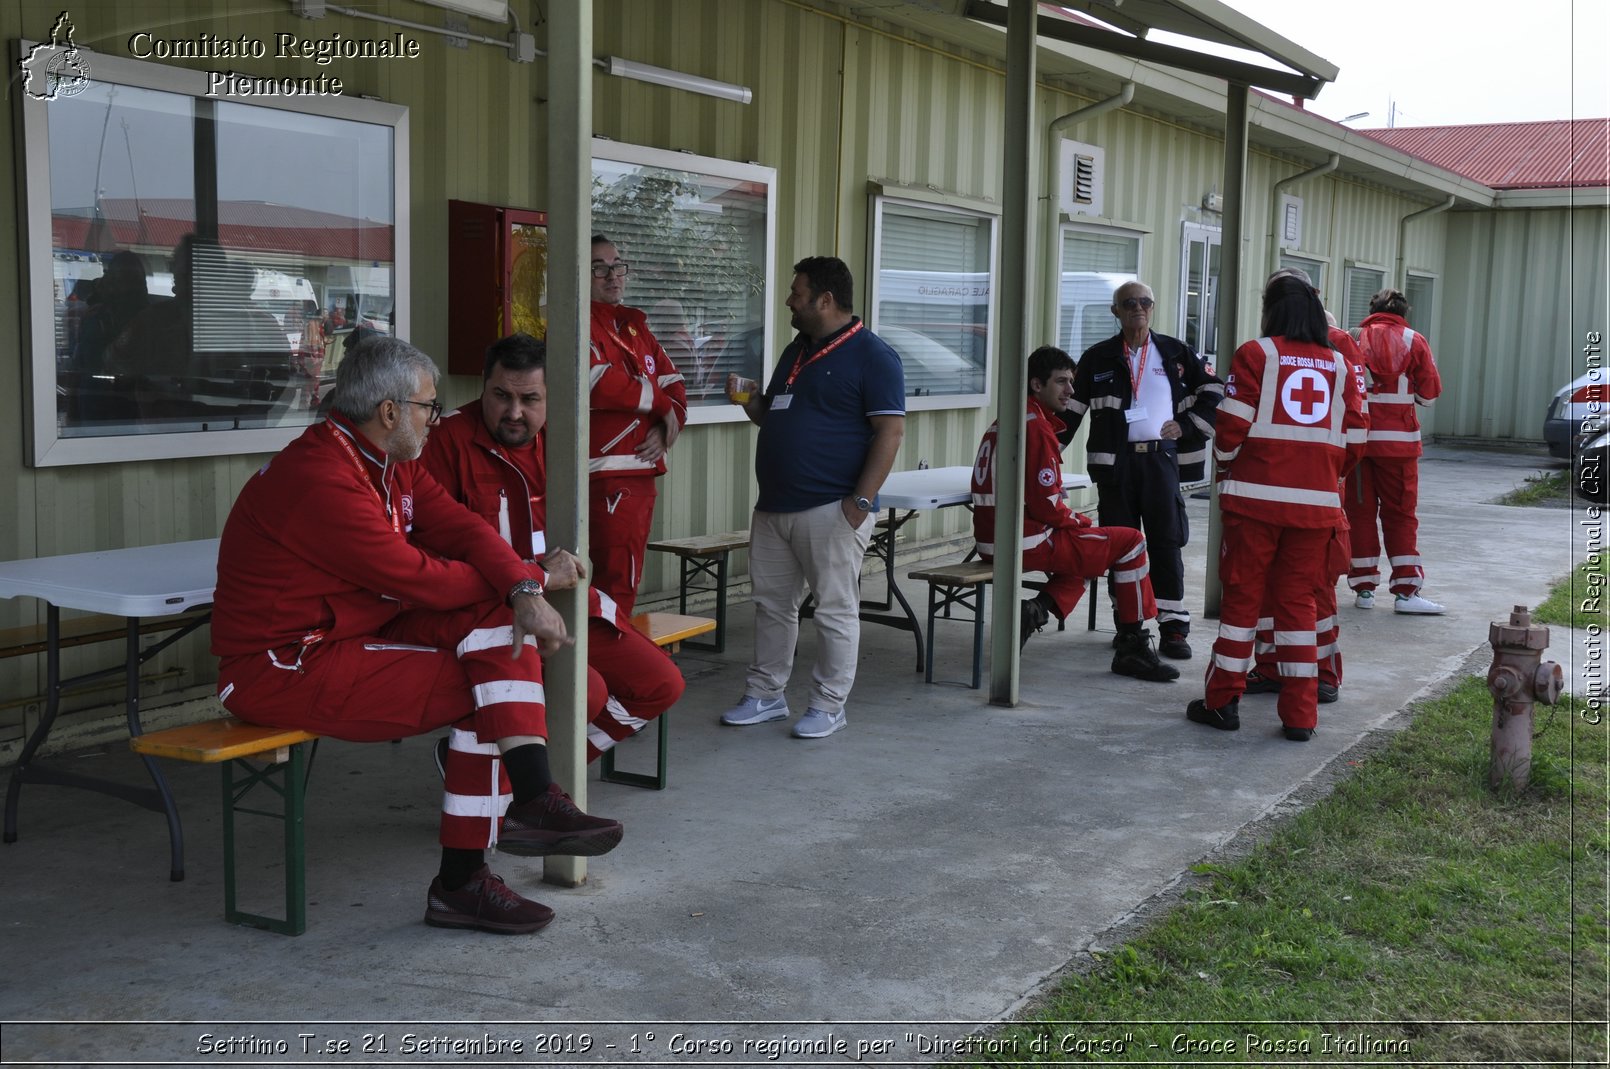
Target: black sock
[(459, 865), (1129, 629), (528, 770)]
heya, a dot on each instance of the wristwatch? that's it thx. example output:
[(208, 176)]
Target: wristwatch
[(525, 586), (864, 504)]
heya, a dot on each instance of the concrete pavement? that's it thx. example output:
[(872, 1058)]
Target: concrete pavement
[(935, 862)]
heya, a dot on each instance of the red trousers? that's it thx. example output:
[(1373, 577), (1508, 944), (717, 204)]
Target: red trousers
[(630, 682), (1327, 630), (1075, 554), (620, 512), (423, 671), (1388, 488), (1258, 563)]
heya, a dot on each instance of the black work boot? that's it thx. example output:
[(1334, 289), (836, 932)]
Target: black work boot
[(1032, 616), (1226, 719), (1135, 657)]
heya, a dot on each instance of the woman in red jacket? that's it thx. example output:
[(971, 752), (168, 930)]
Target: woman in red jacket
[(1290, 426)]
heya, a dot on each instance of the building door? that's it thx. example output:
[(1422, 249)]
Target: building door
[(1199, 289)]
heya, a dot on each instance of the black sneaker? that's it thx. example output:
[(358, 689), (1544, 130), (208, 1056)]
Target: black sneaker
[(1032, 616), (1297, 734), (551, 824), (1225, 719), (1329, 692), (486, 904), (1135, 657), (1257, 683), (1172, 644)]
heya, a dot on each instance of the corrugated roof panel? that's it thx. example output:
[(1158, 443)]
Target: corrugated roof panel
[(1527, 155)]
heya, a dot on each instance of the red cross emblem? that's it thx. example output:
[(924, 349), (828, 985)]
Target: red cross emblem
[(1306, 396)]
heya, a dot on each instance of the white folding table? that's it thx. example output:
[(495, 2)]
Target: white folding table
[(904, 494), (136, 584)]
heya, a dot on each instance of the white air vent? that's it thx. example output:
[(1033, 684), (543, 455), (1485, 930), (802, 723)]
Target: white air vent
[(1291, 221), (1083, 179)]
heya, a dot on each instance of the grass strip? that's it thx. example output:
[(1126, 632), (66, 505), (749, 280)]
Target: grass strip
[(1414, 915), (1539, 489), (1582, 599)]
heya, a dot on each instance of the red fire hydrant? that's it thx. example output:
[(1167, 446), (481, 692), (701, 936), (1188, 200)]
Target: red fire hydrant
[(1517, 677)]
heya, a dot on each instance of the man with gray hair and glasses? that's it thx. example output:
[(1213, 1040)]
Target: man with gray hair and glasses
[(356, 599), (1151, 401)]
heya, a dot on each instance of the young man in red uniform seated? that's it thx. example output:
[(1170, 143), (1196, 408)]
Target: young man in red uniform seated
[(356, 599), (1290, 427), (490, 456), (1060, 542)]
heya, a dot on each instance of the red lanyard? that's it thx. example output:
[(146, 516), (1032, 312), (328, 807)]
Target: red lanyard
[(1137, 373), (631, 357), (363, 473), (823, 351)]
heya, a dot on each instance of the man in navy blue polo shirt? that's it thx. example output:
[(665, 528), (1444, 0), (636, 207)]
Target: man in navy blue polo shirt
[(830, 420)]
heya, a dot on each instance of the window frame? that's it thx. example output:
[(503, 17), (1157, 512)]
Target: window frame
[(1431, 279), (714, 167), (1134, 233), (1348, 269), (1306, 263), (948, 206), (43, 445)]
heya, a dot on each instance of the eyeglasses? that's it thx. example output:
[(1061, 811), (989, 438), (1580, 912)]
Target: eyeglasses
[(1129, 304), (618, 269), (434, 406)]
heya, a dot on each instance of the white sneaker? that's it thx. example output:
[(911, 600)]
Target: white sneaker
[(753, 710), (1415, 605), (817, 724), (1365, 599)]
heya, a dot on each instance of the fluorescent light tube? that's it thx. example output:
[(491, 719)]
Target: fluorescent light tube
[(693, 83)]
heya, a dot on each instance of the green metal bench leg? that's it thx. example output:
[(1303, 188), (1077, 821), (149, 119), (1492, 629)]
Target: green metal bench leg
[(713, 567), (942, 598), (978, 634), (288, 779), (608, 773)]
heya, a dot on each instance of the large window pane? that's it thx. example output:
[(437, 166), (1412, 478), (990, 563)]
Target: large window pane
[(932, 295), (1094, 264), (1314, 269), (1362, 284), (1420, 291), (696, 233), (207, 261)]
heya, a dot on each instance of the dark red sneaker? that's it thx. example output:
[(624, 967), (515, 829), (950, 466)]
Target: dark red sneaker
[(485, 903), (551, 824)]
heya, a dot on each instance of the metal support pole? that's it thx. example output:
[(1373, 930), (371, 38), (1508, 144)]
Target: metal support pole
[(570, 217), (1016, 310), (1229, 297)]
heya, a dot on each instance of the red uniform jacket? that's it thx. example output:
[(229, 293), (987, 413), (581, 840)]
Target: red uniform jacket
[(633, 386), (1044, 509), (506, 487), (1290, 427), (1403, 374), (331, 539)]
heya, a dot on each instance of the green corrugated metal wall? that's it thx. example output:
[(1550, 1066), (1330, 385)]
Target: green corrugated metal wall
[(1522, 291), (836, 103)]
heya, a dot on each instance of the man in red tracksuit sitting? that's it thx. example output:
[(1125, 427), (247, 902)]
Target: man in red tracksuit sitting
[(1060, 542), (356, 599), (489, 455)]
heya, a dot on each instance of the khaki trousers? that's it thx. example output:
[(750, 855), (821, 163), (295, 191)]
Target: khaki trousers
[(787, 552)]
